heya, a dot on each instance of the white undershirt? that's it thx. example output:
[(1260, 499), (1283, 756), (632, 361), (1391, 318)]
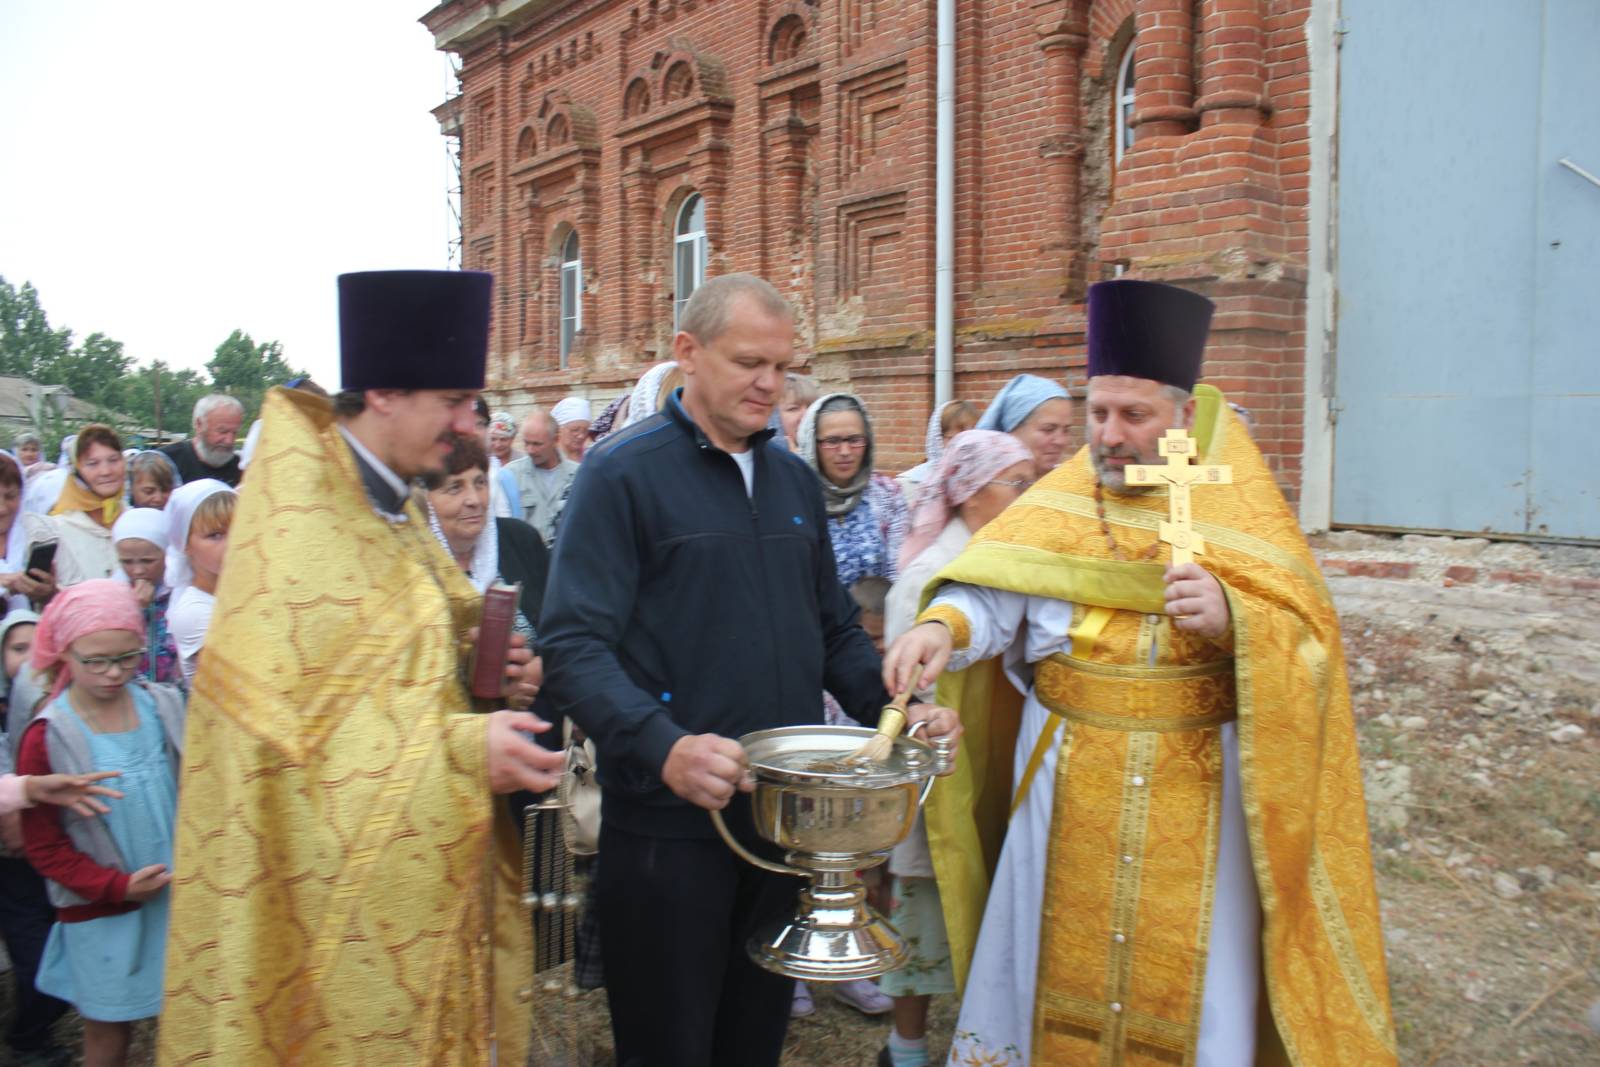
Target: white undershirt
[(747, 467)]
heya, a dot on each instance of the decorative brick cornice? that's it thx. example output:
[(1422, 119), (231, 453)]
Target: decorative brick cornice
[(462, 24)]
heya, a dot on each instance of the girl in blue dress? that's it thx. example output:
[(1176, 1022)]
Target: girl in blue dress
[(107, 875)]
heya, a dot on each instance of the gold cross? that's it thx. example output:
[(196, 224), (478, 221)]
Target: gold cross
[(1178, 475)]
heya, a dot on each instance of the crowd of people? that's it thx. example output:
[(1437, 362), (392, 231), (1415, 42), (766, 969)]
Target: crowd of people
[(716, 551), (112, 560)]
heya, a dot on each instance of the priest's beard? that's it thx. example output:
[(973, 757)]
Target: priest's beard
[(212, 457), (1114, 478)]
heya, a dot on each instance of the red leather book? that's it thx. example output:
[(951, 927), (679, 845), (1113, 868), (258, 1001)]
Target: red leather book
[(494, 640)]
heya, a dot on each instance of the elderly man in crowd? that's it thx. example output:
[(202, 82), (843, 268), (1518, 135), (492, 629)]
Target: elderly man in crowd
[(213, 450), (345, 885), (543, 478), (663, 644), (573, 419)]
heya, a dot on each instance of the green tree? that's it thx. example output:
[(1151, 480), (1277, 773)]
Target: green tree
[(179, 391), (247, 370), (27, 340), (95, 371), (98, 371)]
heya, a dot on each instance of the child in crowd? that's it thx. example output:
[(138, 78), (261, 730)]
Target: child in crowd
[(152, 476), (107, 873), (25, 912), (198, 517), (140, 539)]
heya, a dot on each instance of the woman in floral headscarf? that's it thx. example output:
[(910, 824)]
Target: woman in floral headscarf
[(866, 511), (979, 474)]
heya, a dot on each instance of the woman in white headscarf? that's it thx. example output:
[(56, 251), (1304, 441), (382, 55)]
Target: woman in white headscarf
[(21, 531), (491, 550), (198, 517), (947, 420), (140, 538), (650, 392)]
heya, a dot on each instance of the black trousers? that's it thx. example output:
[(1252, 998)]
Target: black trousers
[(676, 915), (25, 920)]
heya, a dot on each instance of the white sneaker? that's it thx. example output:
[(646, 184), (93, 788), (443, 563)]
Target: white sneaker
[(864, 996)]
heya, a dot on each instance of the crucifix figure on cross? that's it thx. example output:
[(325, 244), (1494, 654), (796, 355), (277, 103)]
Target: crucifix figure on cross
[(1178, 474)]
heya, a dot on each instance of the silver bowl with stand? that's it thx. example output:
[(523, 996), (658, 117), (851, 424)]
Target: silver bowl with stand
[(833, 821)]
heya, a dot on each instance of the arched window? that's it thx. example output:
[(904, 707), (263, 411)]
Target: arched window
[(689, 253), (571, 294), (678, 82), (558, 132), (1123, 103), (527, 145), (636, 101), (788, 39)]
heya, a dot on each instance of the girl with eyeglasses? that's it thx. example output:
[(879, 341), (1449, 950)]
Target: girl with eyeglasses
[(107, 873)]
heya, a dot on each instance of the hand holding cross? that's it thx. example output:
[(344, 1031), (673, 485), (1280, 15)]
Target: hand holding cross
[(1187, 582)]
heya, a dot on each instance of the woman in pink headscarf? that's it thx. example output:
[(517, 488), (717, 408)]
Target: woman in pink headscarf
[(107, 874), (980, 473)]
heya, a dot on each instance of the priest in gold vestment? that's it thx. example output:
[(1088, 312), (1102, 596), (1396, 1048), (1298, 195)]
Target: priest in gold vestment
[(1154, 848), (345, 883)]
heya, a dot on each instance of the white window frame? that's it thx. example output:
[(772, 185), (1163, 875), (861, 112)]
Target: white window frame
[(696, 239), (571, 283), (1123, 108)]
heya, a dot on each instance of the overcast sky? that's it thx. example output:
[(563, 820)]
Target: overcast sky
[(176, 170)]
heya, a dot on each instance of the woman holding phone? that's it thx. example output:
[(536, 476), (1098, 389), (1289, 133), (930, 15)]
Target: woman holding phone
[(90, 503), (23, 581)]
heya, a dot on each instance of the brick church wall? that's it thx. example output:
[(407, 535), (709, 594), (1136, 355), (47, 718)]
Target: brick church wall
[(808, 129)]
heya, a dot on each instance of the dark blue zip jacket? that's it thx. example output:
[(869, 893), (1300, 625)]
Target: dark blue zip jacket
[(678, 605)]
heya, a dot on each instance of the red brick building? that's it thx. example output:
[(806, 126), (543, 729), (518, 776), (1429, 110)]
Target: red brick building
[(613, 150)]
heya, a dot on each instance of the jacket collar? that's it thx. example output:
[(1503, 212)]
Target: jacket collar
[(675, 411)]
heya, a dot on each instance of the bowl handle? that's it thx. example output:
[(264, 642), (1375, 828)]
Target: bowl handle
[(943, 759), (750, 857)]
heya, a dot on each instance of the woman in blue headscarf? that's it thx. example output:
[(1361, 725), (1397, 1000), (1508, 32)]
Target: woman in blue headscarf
[(1038, 413)]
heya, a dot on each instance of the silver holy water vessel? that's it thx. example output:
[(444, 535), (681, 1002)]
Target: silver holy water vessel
[(834, 818)]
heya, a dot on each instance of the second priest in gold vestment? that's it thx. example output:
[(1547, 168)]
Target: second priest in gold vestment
[(345, 886), (1173, 820)]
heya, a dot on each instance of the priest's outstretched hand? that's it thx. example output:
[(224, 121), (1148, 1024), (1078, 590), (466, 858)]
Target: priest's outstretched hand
[(925, 648), (1196, 602), (515, 762)]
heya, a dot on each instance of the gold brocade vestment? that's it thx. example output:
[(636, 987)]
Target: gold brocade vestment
[(1130, 876), (345, 886)]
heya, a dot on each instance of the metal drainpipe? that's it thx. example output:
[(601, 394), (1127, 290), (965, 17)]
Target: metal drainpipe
[(944, 271)]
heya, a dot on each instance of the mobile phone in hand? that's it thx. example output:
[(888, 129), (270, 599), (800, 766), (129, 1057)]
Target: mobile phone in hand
[(42, 557)]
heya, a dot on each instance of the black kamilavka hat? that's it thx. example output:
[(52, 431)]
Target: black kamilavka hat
[(414, 329), (1148, 330)]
